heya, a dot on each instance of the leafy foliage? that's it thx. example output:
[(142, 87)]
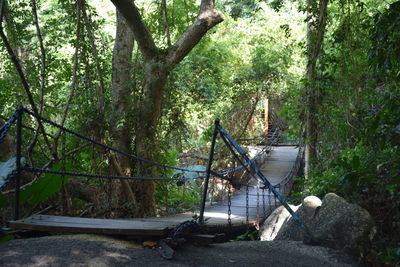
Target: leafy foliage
[(358, 92)]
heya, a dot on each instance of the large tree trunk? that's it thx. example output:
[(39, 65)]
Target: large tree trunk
[(147, 145), (121, 120), (315, 36), (157, 66)]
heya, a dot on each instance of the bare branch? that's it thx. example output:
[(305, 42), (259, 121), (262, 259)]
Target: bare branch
[(74, 73), (42, 54), (208, 18), (101, 88), (139, 29), (250, 116), (20, 72), (66, 155), (42, 76), (166, 23), (207, 5), (120, 172)]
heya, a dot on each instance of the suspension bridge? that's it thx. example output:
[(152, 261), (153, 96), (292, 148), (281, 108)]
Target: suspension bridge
[(269, 170)]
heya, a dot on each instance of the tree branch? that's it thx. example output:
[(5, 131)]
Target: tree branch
[(42, 54), (166, 23), (253, 109), (117, 167), (207, 18), (101, 89), (42, 76), (74, 73), (20, 72), (66, 155), (139, 29)]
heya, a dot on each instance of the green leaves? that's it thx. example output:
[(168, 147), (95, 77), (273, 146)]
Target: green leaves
[(44, 188)]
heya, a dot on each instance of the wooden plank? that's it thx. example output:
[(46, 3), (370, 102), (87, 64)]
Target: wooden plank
[(96, 221), (99, 226)]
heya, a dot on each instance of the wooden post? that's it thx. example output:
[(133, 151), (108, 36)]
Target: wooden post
[(266, 116)]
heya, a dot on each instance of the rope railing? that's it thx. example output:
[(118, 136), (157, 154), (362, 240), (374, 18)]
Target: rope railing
[(147, 161), (221, 174), (106, 147), (268, 146), (241, 156), (110, 177), (249, 165)]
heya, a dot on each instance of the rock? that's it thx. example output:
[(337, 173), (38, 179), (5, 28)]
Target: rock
[(340, 225), (274, 223), (291, 229), (70, 251)]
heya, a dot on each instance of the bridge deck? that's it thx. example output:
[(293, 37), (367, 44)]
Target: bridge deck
[(279, 163)]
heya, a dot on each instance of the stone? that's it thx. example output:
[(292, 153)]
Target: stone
[(291, 230), (274, 223), (341, 225)]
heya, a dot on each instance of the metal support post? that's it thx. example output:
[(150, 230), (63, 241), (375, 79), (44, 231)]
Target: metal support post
[(208, 171), (18, 163)]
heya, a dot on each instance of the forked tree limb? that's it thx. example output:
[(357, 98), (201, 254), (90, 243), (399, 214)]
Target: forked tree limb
[(207, 18), (139, 29)]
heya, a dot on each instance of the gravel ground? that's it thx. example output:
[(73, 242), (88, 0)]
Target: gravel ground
[(100, 251)]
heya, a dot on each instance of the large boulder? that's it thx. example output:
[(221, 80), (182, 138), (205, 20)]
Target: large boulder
[(291, 230), (341, 225), (281, 226), (333, 223), (273, 224)]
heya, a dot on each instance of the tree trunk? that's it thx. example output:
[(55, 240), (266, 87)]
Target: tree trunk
[(315, 35), (157, 64), (147, 145), (121, 126)]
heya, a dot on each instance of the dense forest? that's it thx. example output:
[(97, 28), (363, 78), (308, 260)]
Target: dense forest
[(149, 77)]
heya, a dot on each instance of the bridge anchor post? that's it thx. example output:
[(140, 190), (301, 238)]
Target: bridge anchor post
[(208, 171), (18, 162)]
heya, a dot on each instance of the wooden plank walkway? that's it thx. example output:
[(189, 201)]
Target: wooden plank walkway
[(278, 164)]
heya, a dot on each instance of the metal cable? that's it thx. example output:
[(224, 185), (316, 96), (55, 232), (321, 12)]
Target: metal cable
[(229, 205), (108, 147), (247, 205), (4, 129), (263, 200), (264, 150), (38, 170)]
